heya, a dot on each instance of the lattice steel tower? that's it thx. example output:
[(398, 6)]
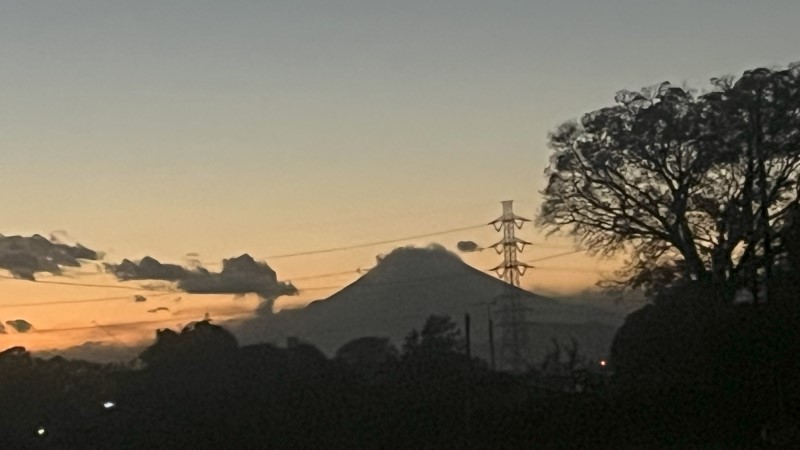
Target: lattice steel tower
[(514, 339), (511, 269)]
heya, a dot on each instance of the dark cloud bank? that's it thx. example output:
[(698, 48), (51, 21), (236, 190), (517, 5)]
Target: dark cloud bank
[(240, 275), (25, 256)]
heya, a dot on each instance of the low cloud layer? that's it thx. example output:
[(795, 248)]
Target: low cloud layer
[(151, 269), (25, 256), (240, 275)]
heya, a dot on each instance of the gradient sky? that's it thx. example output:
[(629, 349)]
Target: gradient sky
[(268, 127)]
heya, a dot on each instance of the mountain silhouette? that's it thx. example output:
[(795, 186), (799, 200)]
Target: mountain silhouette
[(410, 284)]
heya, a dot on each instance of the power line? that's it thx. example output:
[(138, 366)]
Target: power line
[(567, 269), (309, 277), (327, 275), (67, 302), (226, 316), (397, 282), (161, 293), (374, 243), (66, 283), (362, 271), (422, 279), (322, 288), (558, 255), (363, 245), (128, 324), (112, 335)]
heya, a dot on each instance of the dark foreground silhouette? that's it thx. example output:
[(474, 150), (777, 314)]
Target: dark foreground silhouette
[(200, 389)]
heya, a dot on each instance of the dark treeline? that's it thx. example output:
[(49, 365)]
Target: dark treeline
[(200, 389)]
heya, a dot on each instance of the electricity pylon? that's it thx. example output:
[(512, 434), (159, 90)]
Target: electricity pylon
[(515, 341)]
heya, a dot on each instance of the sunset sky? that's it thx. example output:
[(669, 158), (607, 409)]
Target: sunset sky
[(167, 127)]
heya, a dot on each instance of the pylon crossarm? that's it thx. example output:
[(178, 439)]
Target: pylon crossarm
[(523, 268), (497, 224)]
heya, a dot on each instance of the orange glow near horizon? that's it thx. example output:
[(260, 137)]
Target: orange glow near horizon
[(98, 308)]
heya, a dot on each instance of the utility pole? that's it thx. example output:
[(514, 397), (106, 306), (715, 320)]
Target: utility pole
[(491, 336), (468, 396), (515, 339), (467, 332)]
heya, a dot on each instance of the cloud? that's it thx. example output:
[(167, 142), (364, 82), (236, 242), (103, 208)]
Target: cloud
[(468, 246), (21, 326), (433, 251), (193, 260), (25, 256), (62, 237), (149, 269), (240, 275)]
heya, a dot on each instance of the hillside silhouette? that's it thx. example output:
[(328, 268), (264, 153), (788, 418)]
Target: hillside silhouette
[(411, 283)]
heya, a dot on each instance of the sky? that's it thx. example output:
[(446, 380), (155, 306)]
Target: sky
[(271, 127)]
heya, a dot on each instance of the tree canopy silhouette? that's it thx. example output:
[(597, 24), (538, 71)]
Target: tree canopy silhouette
[(691, 186), (439, 335), (197, 342)]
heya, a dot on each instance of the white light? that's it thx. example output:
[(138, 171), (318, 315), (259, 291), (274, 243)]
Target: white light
[(603, 362), (109, 405), (41, 431)]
